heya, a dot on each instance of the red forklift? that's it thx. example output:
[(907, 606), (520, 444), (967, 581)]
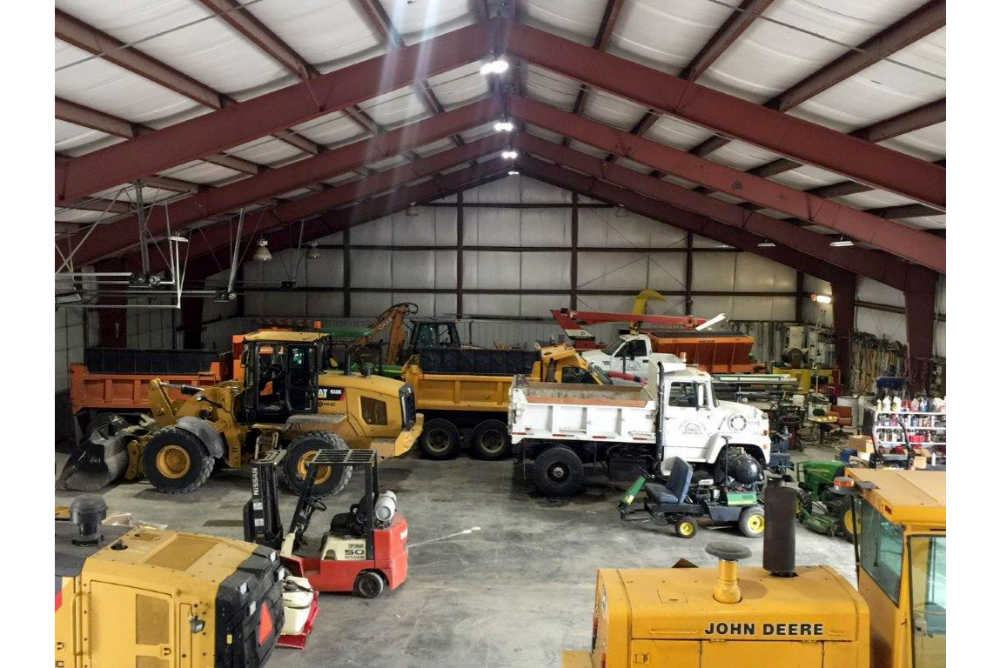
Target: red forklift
[(364, 550)]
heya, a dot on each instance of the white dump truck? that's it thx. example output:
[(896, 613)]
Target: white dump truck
[(558, 429)]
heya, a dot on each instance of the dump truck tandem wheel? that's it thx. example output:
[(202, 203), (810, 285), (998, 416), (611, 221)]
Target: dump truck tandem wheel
[(558, 472), (490, 440), (175, 461), (440, 439), (301, 451)]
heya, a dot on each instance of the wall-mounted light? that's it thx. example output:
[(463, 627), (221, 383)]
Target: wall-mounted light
[(821, 299), (509, 154), (496, 66), (313, 253), (503, 126), (842, 242), (262, 254)]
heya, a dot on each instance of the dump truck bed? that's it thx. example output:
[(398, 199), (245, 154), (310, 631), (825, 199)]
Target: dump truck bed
[(455, 379)]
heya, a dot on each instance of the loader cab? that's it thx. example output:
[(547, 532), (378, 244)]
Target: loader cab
[(433, 334), (900, 550), (282, 376)]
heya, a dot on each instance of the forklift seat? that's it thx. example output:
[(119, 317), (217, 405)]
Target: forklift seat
[(678, 482)]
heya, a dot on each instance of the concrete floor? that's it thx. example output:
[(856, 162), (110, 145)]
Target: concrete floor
[(498, 576)]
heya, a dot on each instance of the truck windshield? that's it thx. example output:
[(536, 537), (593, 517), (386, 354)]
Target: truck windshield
[(927, 595), (881, 550), (612, 347), (599, 372)]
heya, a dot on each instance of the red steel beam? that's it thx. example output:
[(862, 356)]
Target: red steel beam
[(120, 235), (217, 237), (730, 31), (231, 126), (898, 239), (676, 217), (340, 219), (912, 27), (78, 114), (873, 264), (732, 116)]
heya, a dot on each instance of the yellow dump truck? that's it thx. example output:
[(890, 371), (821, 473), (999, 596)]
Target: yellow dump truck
[(467, 390)]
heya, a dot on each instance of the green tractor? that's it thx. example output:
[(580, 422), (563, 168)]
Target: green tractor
[(822, 506)]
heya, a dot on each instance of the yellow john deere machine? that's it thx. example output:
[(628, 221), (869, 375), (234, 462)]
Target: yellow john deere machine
[(152, 598), (811, 617), (286, 395)]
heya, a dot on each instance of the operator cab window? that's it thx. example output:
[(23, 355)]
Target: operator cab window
[(683, 394), (271, 377), (577, 375), (881, 550), (301, 385), (928, 600)]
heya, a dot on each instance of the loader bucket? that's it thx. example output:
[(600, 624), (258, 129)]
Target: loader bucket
[(98, 461)]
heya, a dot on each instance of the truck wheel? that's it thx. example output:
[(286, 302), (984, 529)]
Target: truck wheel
[(490, 440), (685, 526), (558, 472), (301, 451), (752, 522), (440, 439), (175, 461), (368, 584)]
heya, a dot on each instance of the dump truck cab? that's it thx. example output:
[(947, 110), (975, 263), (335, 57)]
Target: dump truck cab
[(431, 333), (900, 549)]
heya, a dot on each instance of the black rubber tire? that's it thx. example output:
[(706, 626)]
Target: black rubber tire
[(303, 446), (440, 439), (490, 440), (745, 519), (368, 584), (558, 472), (201, 462), (681, 527)]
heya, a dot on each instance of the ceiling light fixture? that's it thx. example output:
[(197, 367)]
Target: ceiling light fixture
[(262, 254), (503, 126), (513, 172), (509, 154), (842, 242), (497, 66), (766, 243), (621, 211), (412, 211), (313, 253), (822, 299)]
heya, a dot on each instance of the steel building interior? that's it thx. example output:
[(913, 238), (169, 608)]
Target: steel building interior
[(234, 166)]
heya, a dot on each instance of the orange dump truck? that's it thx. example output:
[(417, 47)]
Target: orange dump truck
[(116, 380)]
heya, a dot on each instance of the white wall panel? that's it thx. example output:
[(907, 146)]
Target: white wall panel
[(710, 306), (371, 268), (492, 305), (408, 269), (536, 192), (327, 271), (487, 270), (714, 272), (376, 233), (759, 274), (545, 271), (540, 306), (879, 293), (940, 298), (940, 349), (882, 324), (325, 304), (546, 227), (492, 227), (760, 308), (666, 271)]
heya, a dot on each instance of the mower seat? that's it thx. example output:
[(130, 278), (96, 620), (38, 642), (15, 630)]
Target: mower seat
[(678, 482)]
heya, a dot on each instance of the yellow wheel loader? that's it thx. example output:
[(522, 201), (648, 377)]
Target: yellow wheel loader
[(153, 598), (287, 396), (810, 617)]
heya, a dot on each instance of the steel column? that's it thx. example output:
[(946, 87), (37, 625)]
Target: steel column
[(459, 252), (574, 243), (843, 324), (920, 336)]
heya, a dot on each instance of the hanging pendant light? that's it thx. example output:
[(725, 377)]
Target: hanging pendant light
[(262, 254), (621, 211), (313, 253), (412, 210)]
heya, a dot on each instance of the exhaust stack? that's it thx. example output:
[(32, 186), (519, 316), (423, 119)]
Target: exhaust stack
[(779, 529)]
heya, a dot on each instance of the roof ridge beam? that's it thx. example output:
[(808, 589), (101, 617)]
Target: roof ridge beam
[(898, 239), (231, 126), (733, 116)]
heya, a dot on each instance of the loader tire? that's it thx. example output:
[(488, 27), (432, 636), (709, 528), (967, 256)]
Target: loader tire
[(301, 451), (175, 461), (490, 440), (558, 472)]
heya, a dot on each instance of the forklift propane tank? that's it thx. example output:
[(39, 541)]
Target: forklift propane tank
[(385, 507)]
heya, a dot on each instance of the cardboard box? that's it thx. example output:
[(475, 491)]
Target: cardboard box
[(920, 462), (861, 443)]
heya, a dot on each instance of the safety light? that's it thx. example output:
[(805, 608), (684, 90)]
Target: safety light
[(503, 126), (313, 253), (262, 254), (822, 299), (842, 242), (498, 66), (509, 154)]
